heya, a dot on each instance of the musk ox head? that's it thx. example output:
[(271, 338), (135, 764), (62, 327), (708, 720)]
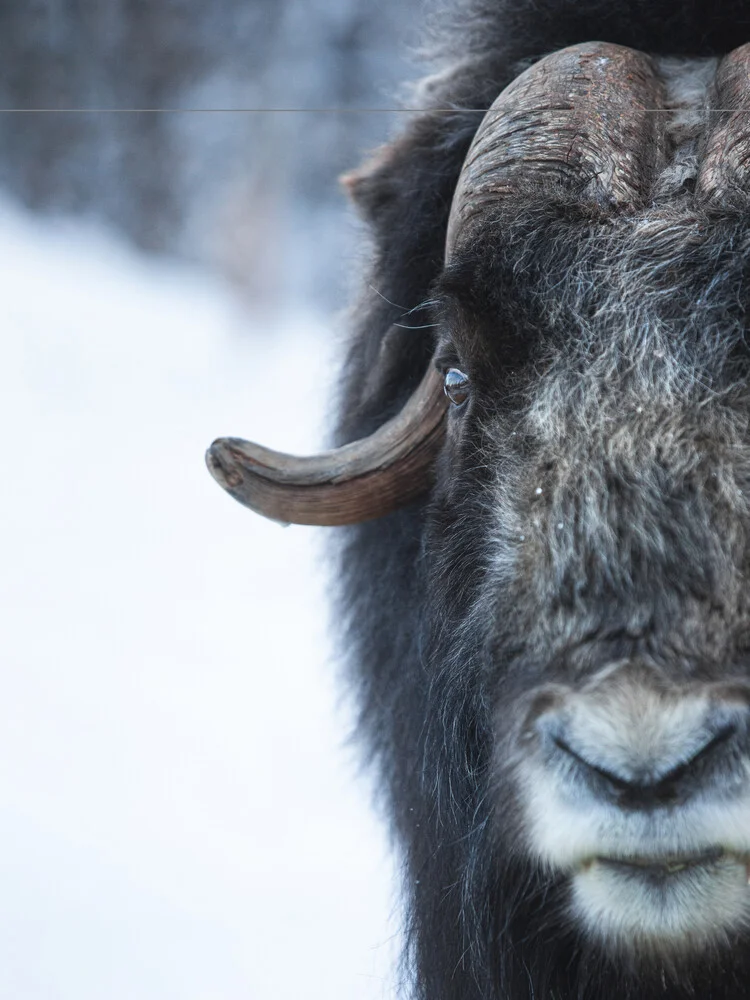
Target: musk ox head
[(581, 443)]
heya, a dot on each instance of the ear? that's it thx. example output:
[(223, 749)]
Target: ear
[(405, 186), (370, 186)]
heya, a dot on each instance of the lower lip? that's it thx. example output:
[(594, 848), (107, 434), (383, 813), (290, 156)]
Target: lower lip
[(670, 904)]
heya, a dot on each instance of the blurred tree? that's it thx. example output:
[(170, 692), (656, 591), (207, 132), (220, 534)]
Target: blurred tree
[(252, 193)]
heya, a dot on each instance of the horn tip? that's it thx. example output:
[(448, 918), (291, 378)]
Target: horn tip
[(222, 465)]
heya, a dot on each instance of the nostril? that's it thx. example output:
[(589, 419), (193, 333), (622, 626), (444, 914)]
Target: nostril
[(702, 754), (614, 779), (725, 733)]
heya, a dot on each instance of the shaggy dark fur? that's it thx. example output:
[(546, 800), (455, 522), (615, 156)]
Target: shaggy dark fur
[(609, 366)]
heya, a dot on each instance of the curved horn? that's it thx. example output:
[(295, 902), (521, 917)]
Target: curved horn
[(356, 482), (725, 170), (579, 116)]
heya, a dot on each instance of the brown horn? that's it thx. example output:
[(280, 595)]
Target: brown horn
[(725, 170), (579, 115), (357, 482)]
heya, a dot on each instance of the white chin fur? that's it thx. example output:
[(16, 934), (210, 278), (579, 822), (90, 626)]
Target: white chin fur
[(634, 911)]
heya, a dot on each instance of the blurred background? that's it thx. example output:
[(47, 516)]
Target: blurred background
[(181, 814), (287, 93)]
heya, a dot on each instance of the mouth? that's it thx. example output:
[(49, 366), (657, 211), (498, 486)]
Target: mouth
[(668, 866)]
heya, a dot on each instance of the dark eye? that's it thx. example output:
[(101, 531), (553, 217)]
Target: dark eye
[(456, 386)]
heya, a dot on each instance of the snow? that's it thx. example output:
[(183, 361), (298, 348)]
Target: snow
[(179, 814)]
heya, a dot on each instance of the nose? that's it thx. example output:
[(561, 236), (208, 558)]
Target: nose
[(648, 786), (643, 749)]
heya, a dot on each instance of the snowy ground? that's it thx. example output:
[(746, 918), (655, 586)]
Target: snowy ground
[(179, 816)]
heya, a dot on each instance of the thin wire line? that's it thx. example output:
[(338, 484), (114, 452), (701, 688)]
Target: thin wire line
[(320, 111), (241, 111)]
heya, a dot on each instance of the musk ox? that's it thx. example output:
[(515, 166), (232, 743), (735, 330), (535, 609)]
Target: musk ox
[(544, 463)]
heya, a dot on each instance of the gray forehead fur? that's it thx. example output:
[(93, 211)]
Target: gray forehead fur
[(623, 481), (626, 473)]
